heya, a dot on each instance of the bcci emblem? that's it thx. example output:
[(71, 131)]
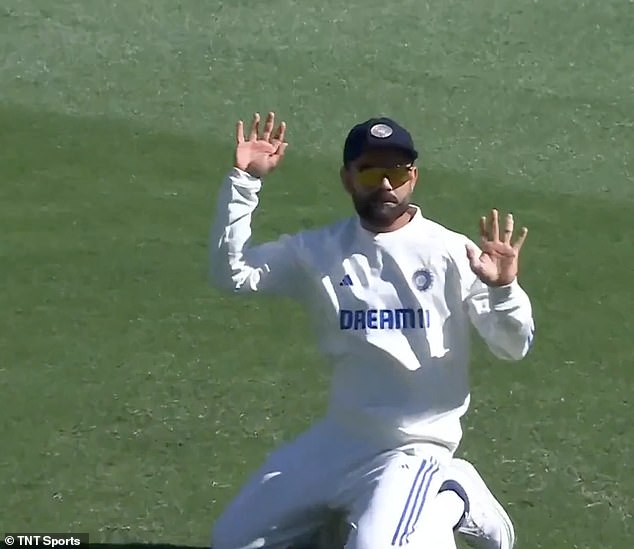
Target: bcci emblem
[(423, 279), (381, 131)]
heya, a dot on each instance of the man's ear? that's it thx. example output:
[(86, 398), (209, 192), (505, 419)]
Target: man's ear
[(346, 179), (414, 179)]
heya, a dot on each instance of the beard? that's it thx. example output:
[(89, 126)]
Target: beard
[(379, 211)]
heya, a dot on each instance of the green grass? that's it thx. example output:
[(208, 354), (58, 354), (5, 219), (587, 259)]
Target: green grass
[(136, 399)]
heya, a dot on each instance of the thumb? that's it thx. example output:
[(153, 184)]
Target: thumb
[(474, 260), (281, 149), (277, 156), (471, 253)]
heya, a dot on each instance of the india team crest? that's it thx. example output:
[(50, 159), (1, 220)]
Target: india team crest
[(423, 279), (381, 130)]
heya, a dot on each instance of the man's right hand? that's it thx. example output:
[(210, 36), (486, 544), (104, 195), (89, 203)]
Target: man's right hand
[(259, 155)]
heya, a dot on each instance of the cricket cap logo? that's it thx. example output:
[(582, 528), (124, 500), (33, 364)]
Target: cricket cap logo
[(381, 131)]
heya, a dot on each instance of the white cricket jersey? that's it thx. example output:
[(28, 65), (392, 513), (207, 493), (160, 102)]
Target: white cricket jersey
[(392, 312)]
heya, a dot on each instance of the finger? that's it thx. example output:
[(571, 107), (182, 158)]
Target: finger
[(495, 225), (484, 234), (268, 126), (508, 228), (240, 132), (255, 127), (520, 239), (280, 132)]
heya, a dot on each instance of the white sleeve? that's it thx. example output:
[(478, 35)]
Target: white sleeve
[(233, 264), (502, 315)]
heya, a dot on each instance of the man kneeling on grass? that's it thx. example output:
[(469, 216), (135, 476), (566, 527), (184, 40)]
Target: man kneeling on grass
[(392, 295)]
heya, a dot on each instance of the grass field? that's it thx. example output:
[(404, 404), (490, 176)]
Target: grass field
[(135, 399)]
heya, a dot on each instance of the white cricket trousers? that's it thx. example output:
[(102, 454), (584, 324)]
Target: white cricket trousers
[(386, 493)]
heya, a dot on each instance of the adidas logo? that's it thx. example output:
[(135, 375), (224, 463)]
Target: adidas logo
[(346, 281)]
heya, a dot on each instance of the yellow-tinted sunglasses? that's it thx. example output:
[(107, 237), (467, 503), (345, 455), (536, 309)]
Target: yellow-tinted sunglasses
[(373, 177)]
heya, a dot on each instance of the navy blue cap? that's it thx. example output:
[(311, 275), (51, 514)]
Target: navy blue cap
[(377, 133)]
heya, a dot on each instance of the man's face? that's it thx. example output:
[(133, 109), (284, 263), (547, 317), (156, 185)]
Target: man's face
[(381, 183)]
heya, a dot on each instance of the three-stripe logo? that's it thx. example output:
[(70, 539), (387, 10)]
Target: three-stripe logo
[(415, 502)]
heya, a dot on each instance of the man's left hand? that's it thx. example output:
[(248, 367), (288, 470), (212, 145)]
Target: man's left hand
[(497, 262)]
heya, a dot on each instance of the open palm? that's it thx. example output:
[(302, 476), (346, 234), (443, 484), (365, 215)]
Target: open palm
[(497, 263), (258, 154)]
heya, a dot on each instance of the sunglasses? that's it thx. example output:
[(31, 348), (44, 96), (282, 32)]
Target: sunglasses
[(372, 177)]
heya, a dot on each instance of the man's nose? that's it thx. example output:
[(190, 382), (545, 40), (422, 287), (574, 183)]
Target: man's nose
[(385, 184)]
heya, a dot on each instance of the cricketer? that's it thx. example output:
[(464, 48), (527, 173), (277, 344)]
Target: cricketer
[(393, 295)]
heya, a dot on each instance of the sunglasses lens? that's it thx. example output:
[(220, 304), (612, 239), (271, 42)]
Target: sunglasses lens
[(398, 176), (373, 177)]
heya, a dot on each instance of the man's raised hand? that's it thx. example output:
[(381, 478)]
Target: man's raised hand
[(259, 154), (497, 263)]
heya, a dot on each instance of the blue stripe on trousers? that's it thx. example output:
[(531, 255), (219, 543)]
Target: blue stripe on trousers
[(422, 504), (410, 506)]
